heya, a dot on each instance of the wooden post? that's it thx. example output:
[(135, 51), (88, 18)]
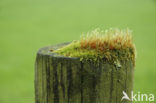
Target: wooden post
[(60, 79)]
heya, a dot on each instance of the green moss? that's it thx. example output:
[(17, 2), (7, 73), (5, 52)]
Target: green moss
[(113, 46)]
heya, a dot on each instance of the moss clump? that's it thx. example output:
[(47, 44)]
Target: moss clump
[(112, 45)]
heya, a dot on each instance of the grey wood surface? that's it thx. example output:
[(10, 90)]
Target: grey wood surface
[(60, 79)]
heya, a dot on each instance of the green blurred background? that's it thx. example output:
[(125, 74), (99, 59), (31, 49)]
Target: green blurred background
[(27, 25)]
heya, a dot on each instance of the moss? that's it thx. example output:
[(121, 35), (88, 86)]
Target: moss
[(111, 45)]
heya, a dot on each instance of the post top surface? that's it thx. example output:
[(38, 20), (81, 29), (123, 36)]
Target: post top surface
[(48, 51)]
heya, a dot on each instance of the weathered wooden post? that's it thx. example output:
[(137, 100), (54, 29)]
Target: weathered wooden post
[(64, 79)]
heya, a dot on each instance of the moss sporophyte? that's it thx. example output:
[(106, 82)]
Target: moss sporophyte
[(112, 45)]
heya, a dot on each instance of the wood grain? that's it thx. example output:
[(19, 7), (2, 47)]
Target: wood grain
[(60, 79)]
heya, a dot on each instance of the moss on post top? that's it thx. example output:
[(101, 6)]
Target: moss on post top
[(111, 45)]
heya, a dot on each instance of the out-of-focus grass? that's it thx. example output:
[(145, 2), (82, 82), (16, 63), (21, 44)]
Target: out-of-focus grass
[(27, 25)]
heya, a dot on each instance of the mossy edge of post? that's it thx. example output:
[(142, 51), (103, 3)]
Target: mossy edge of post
[(112, 45)]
